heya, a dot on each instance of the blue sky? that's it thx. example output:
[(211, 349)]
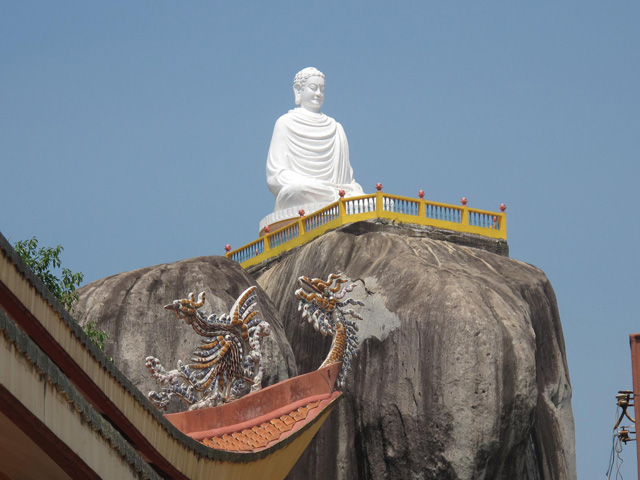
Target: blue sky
[(136, 133)]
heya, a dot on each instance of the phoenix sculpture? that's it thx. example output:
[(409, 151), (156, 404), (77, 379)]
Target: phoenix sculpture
[(228, 363)]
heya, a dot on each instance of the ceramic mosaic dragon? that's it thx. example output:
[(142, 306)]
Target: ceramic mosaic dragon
[(228, 363), (322, 303)]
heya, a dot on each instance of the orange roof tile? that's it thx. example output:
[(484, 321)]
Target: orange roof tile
[(259, 436)]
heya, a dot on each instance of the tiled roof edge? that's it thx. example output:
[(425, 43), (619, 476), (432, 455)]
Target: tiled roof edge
[(188, 442), (41, 361), (99, 355)]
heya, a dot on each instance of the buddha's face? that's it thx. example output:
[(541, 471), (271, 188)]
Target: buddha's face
[(311, 95)]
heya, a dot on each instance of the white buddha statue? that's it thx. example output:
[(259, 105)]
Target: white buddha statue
[(308, 161)]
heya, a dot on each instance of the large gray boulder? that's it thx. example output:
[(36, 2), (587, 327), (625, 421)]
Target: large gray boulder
[(129, 307), (461, 373)]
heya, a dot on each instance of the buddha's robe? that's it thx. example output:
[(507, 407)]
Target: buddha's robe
[(308, 164)]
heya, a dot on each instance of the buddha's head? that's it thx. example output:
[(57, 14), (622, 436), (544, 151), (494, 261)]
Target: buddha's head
[(308, 89)]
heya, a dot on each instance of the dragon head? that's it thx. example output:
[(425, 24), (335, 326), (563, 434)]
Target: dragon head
[(186, 309), (322, 303), (318, 301)]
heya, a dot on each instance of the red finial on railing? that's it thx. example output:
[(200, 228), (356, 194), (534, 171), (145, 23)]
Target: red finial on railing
[(301, 212), (503, 207), (342, 193), (267, 229), (379, 186), (227, 247), (464, 201), (421, 193)]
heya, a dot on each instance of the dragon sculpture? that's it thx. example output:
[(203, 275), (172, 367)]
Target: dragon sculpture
[(228, 363), (322, 303)]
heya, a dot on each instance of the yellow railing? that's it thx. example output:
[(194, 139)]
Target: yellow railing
[(366, 207)]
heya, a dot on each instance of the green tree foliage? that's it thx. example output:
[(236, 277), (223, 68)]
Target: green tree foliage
[(41, 261), (99, 337)]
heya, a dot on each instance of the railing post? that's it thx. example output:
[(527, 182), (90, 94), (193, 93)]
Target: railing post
[(465, 216), (464, 220), (301, 223), (503, 223), (341, 210), (379, 206), (266, 243)]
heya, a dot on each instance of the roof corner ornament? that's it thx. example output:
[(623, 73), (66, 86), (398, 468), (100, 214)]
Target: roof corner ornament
[(228, 363)]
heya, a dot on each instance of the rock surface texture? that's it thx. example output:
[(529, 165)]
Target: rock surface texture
[(461, 373), (129, 307)]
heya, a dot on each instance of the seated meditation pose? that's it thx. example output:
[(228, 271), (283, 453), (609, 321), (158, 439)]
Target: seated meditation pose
[(308, 160)]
